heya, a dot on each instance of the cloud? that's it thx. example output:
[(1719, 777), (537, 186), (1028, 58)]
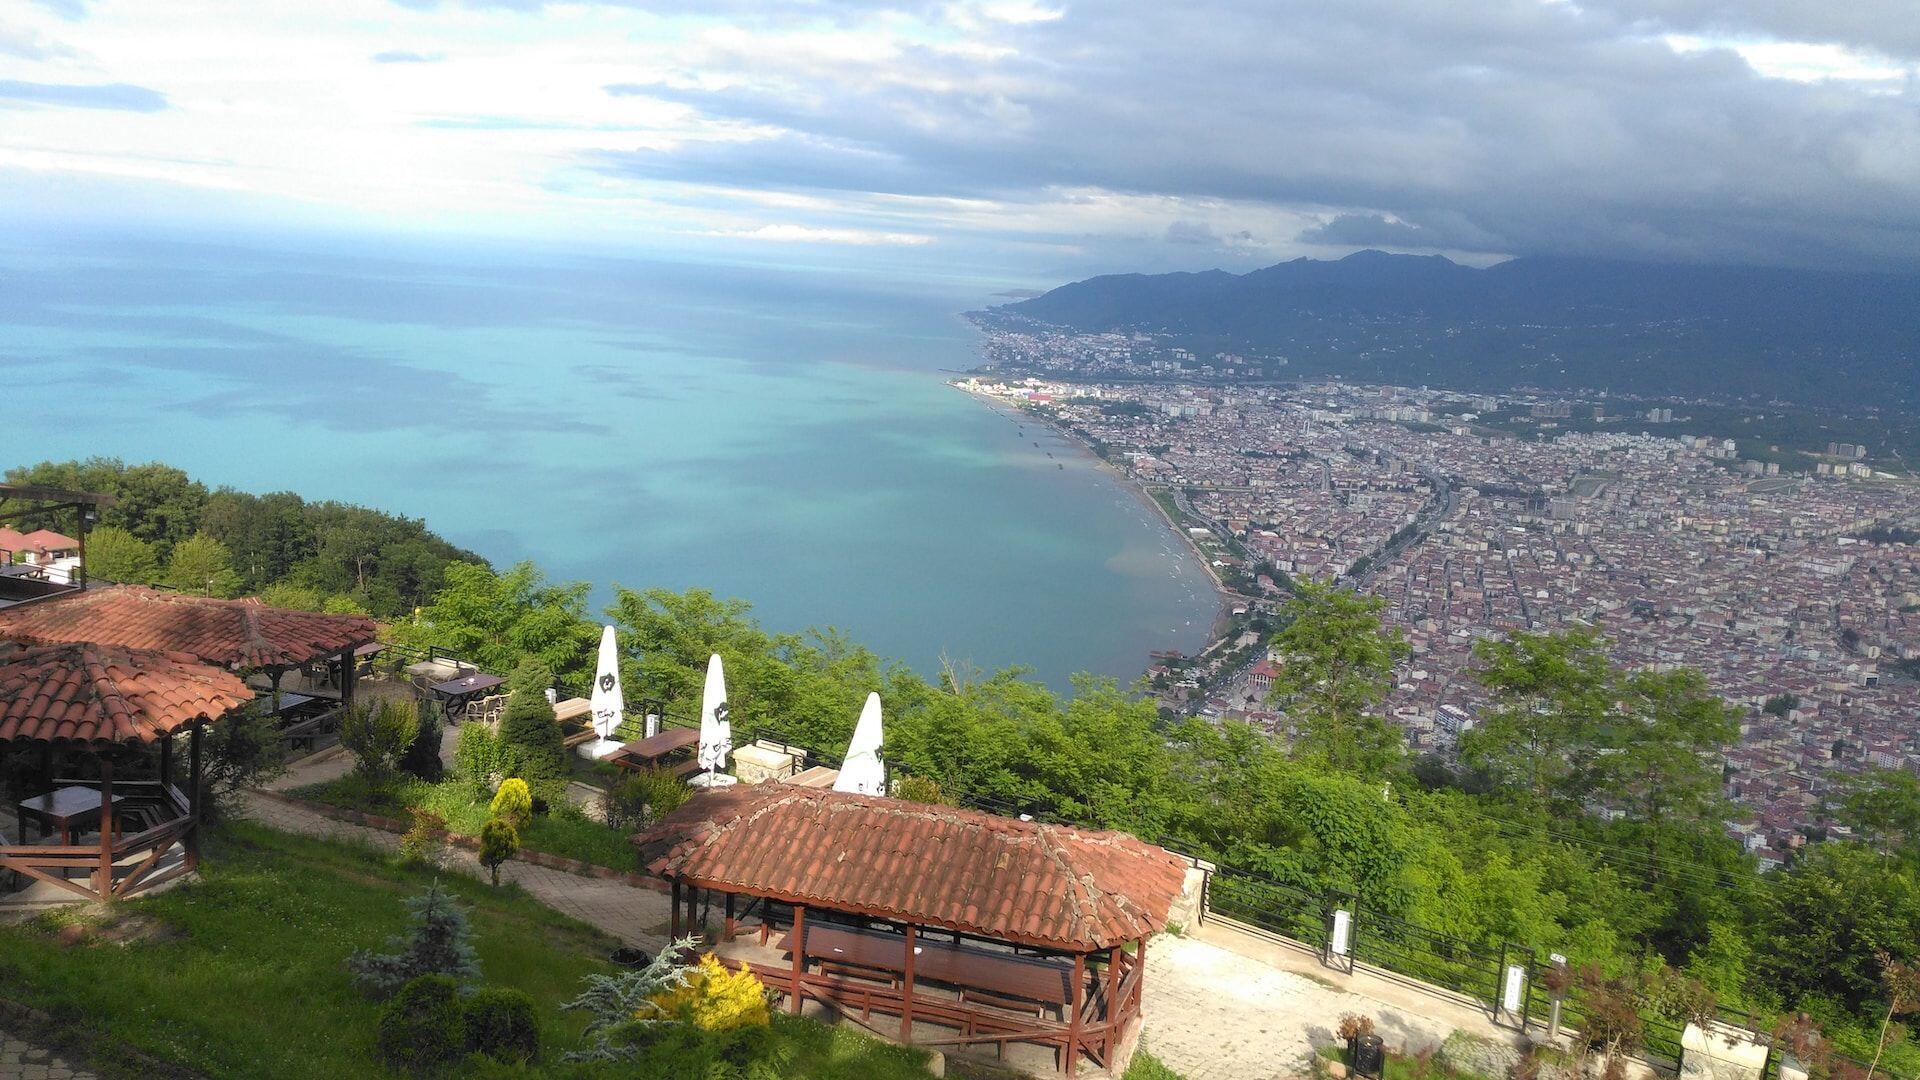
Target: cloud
[(71, 10), (29, 44), (402, 56), (788, 234), (121, 96)]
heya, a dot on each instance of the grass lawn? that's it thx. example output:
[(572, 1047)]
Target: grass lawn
[(572, 836), (241, 974)]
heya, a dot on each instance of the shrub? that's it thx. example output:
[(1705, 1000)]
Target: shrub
[(714, 999), (1353, 1025), (499, 841), (918, 789), (478, 757), (438, 941), (513, 803), (500, 1023), (422, 758), (244, 750), (615, 1004), (378, 736), (422, 1027), (532, 742), (426, 838), (642, 797)]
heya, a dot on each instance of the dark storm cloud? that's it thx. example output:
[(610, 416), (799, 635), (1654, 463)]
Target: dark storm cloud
[(1499, 125), (97, 96)]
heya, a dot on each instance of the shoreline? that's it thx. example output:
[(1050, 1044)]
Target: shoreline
[(1224, 598)]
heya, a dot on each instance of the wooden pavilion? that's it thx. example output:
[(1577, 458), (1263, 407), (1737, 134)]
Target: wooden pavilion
[(973, 930), (239, 635), (112, 705)]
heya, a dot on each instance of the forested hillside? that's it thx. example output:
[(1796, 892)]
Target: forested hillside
[(167, 528)]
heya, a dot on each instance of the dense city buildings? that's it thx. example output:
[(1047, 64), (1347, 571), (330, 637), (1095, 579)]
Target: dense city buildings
[(1789, 590)]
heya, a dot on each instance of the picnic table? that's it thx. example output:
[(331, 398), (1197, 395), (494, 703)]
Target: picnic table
[(455, 693), (965, 966), (60, 810), (289, 702), (652, 752)]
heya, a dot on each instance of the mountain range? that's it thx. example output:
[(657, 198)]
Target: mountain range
[(1832, 338)]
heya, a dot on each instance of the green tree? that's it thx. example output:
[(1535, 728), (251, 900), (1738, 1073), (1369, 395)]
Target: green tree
[(1829, 918), (200, 565), (1336, 665), (114, 554), (499, 841), (531, 742), (1883, 806), (1664, 765), (1551, 694), (495, 620), (378, 737)]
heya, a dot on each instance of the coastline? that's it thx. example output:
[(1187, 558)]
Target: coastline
[(1224, 597)]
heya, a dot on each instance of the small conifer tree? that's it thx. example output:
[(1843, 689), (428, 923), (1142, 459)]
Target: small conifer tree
[(438, 941), (499, 841)]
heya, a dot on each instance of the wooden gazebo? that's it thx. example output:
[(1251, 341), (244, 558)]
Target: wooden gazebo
[(973, 930), (240, 635), (111, 704)]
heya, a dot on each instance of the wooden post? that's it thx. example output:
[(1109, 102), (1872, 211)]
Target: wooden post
[(1073, 1023), (1140, 957), (728, 935), (673, 935), (80, 523), (799, 956), (104, 883), (349, 677), (193, 797), (1114, 1012), (273, 676), (906, 992), (166, 763)]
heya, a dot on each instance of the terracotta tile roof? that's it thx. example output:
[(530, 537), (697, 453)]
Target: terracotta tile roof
[(1048, 886), (103, 694), (48, 540), (242, 632)]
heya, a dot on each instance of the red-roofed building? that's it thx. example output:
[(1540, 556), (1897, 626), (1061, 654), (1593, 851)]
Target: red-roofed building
[(231, 633), (1021, 913), (108, 704)]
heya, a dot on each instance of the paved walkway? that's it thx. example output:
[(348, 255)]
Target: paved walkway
[(636, 916), (22, 1061), (1223, 1005)]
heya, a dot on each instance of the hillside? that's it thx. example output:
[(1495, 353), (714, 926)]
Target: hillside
[(1812, 337)]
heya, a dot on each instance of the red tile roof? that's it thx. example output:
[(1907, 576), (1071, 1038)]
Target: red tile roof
[(98, 695), (242, 632), (1047, 886), (48, 540)]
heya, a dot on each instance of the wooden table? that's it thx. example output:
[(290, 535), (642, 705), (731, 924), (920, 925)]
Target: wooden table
[(457, 692), (999, 973), (60, 810), (650, 752)]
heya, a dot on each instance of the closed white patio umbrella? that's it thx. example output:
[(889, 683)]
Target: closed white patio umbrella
[(716, 731), (862, 772), (607, 702)]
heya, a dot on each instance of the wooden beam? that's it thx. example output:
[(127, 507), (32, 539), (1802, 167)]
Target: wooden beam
[(906, 992), (349, 676), (193, 797), (1115, 1014), (1071, 1060), (166, 759), (673, 934), (105, 885), (727, 935), (799, 956)]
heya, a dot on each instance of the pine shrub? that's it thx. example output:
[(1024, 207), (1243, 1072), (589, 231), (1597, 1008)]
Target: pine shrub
[(513, 803), (438, 941), (422, 758), (531, 741), (422, 1027), (500, 1023), (499, 841)]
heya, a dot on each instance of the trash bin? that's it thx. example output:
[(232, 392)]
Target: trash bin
[(1369, 1056)]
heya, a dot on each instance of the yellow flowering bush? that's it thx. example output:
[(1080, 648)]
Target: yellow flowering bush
[(712, 998)]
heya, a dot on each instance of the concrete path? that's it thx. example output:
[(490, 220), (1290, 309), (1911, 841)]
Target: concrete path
[(635, 916), (1224, 1005), (23, 1061)]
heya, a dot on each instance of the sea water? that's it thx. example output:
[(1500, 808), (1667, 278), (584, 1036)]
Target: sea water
[(782, 434)]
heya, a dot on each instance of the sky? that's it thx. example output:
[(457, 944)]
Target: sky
[(1023, 140)]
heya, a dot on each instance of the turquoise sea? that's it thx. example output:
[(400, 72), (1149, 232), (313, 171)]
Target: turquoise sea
[(781, 434)]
